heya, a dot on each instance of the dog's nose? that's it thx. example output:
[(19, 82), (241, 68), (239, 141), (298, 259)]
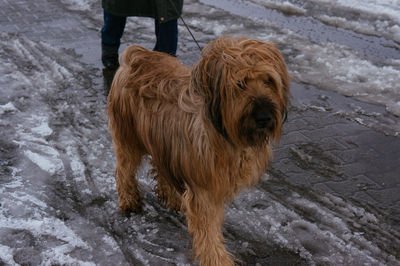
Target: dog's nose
[(263, 115), (263, 119)]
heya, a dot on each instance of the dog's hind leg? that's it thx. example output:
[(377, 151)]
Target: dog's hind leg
[(204, 220), (127, 186), (167, 193)]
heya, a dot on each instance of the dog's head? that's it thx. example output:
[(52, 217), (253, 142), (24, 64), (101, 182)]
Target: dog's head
[(245, 85)]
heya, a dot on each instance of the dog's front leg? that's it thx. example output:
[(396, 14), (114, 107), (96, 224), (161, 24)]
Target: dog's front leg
[(127, 186), (204, 218)]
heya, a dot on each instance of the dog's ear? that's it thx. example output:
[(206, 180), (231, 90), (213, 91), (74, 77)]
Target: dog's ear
[(206, 81), (281, 69), (214, 114)]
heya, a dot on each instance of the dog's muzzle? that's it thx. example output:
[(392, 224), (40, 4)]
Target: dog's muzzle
[(263, 115)]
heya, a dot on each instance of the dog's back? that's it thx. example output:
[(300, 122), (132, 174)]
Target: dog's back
[(147, 74), (144, 79)]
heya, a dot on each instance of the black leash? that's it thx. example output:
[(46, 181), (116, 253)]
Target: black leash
[(190, 33), (184, 23)]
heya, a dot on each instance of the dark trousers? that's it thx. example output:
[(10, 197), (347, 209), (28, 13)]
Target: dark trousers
[(166, 34)]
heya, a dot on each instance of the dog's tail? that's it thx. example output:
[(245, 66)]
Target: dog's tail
[(119, 98), (127, 58), (140, 68), (127, 62)]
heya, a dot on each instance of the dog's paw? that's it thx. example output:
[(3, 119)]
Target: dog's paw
[(128, 207), (169, 197)]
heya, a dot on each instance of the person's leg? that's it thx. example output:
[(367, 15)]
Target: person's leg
[(167, 36), (111, 34)]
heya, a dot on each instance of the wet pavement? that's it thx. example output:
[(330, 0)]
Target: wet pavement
[(377, 49), (348, 164)]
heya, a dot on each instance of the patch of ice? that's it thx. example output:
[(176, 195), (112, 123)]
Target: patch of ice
[(59, 255), (318, 230), (16, 180), (77, 166), (394, 107), (283, 6), (7, 108), (22, 196), (216, 29), (110, 242), (359, 120), (43, 128), (78, 5), (28, 141), (49, 164), (394, 31), (6, 255), (379, 18), (383, 8), (316, 108), (47, 73), (337, 68), (341, 22), (46, 226)]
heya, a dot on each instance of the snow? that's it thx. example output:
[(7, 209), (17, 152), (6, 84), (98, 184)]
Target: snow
[(388, 8), (77, 165), (80, 5), (320, 233), (43, 130), (284, 6), (336, 68), (6, 255), (50, 165), (370, 17), (8, 107)]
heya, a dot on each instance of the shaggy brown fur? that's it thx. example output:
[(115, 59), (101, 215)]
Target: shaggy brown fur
[(208, 129)]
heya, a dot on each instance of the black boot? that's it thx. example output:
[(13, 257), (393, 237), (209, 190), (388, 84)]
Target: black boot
[(109, 56)]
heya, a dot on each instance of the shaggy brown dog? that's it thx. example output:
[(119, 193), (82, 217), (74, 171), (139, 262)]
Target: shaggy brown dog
[(208, 129)]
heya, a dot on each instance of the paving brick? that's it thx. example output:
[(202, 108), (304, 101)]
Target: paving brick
[(346, 156), (345, 188), (364, 183), (389, 196), (322, 187), (294, 137), (386, 179), (295, 124), (299, 179), (331, 144), (362, 196)]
